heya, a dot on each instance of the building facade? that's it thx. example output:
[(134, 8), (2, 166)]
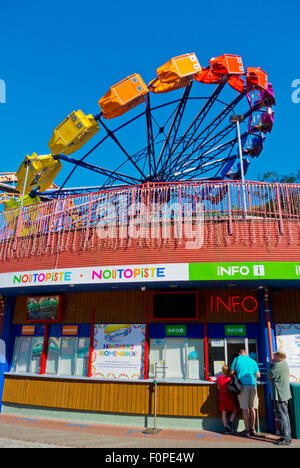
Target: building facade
[(105, 308)]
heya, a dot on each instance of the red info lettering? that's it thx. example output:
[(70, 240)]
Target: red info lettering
[(234, 304), (255, 304), (249, 303)]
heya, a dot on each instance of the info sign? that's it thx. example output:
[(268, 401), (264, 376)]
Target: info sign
[(235, 330), (176, 330)]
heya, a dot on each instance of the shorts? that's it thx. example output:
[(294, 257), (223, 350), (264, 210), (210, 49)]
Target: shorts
[(248, 397)]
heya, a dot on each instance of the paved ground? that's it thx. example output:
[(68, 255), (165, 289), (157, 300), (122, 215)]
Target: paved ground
[(20, 432)]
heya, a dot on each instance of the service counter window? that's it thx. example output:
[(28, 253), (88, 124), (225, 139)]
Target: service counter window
[(216, 357), (27, 354), (176, 358), (223, 351), (64, 355), (68, 356)]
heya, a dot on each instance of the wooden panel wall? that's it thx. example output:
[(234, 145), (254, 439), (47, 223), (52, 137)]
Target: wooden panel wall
[(81, 395), (285, 304), (216, 312), (110, 307), (190, 400), (132, 307)]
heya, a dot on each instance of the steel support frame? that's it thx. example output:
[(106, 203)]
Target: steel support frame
[(213, 140), (173, 130), (209, 129), (115, 139), (196, 122), (150, 139), (164, 169), (100, 170)]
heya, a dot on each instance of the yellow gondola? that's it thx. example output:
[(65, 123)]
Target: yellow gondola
[(76, 130), (41, 173)]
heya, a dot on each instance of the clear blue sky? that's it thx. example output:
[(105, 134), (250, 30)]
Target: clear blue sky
[(60, 56)]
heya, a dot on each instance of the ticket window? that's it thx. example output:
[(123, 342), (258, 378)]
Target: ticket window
[(235, 345), (216, 356), (177, 358), (195, 359), (68, 356), (233, 349), (27, 354), (223, 351), (157, 358)]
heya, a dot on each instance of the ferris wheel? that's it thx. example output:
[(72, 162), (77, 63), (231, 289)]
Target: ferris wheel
[(189, 123)]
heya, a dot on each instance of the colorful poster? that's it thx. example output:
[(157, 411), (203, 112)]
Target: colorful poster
[(43, 308), (119, 351), (288, 341)]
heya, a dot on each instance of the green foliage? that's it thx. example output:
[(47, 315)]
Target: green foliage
[(272, 176)]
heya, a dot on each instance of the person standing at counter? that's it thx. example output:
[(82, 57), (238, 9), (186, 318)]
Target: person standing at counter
[(247, 372), (226, 400), (279, 376)]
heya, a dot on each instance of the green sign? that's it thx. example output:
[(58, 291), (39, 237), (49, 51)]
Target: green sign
[(244, 271), (175, 330), (235, 330)]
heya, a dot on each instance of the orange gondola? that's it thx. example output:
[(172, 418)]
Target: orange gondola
[(123, 96), (176, 73), (257, 77)]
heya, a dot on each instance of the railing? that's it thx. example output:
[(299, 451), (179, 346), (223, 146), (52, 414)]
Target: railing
[(117, 207)]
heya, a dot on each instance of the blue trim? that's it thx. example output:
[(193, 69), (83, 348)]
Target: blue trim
[(54, 330), (196, 330), (17, 330), (193, 330), (199, 285), (6, 341), (217, 330), (84, 330), (265, 357)]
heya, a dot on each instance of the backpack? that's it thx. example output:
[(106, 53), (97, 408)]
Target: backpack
[(235, 385)]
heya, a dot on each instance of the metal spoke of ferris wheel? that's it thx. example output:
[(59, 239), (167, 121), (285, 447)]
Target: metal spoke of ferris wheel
[(205, 160), (195, 124), (207, 131), (173, 130), (124, 178)]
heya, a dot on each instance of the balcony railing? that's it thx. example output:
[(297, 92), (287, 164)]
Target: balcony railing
[(155, 203)]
